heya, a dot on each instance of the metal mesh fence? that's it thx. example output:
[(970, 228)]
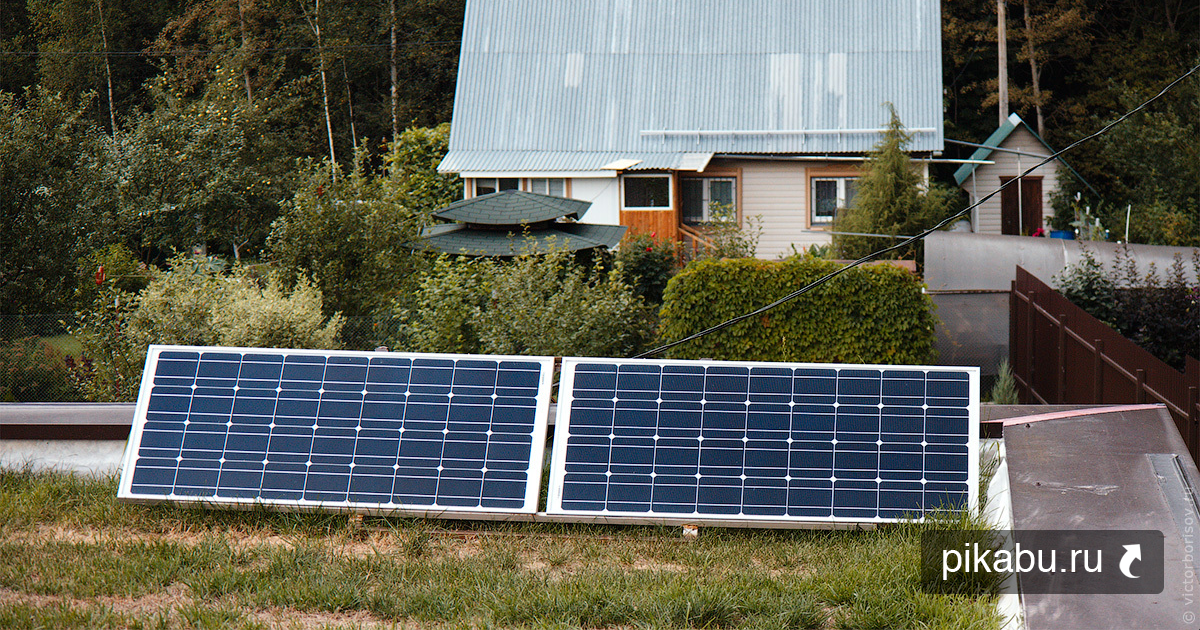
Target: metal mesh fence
[(37, 358), (973, 331), (40, 360)]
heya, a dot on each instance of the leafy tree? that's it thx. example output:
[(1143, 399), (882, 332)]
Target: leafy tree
[(208, 170), (349, 234), (412, 162), (17, 39), (46, 223), (73, 46), (891, 199)]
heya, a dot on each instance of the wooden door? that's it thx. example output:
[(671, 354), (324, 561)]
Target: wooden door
[(1024, 217)]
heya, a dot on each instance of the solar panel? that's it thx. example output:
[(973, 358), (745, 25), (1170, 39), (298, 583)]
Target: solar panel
[(732, 441), (361, 431)]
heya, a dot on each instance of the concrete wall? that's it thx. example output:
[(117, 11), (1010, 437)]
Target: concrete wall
[(956, 261)]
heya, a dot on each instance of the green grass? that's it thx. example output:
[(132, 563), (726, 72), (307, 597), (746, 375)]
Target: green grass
[(75, 557), (66, 344)]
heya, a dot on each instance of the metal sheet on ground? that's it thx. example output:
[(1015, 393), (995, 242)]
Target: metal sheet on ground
[(734, 441), (419, 434)]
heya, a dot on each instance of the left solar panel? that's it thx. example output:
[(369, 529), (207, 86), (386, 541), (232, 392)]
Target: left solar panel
[(379, 432)]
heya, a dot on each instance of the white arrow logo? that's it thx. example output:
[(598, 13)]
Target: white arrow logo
[(1132, 552)]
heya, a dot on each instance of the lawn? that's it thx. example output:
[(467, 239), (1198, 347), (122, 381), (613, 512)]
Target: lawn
[(75, 557), (65, 344)]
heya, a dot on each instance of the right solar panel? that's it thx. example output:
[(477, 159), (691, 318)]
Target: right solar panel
[(734, 441)]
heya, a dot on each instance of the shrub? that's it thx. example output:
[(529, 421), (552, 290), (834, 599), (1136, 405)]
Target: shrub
[(1087, 286), (647, 263), (32, 370), (194, 303), (875, 314), (1004, 392), (543, 304), (449, 298), (1162, 318), (122, 270)]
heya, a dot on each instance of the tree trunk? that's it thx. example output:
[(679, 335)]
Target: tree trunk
[(1002, 46), (315, 24), (112, 115), (395, 121), (1035, 72), (245, 57), (350, 105)]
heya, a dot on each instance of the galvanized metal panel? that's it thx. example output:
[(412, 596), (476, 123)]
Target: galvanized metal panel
[(574, 76)]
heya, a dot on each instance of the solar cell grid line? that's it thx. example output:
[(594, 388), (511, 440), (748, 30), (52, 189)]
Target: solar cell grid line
[(378, 432), (727, 441)]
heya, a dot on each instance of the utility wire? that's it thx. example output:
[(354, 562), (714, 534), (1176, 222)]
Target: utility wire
[(182, 52), (943, 223)]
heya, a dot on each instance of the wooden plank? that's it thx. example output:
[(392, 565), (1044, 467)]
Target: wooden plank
[(663, 224)]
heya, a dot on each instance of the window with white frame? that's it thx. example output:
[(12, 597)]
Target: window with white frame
[(647, 192), (489, 185), (829, 195), (556, 187), (708, 199)]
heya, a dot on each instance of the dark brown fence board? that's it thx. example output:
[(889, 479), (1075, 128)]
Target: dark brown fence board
[(1060, 354)]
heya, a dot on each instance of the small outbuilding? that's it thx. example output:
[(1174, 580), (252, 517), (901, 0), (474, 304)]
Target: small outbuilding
[(511, 222), (1024, 207)]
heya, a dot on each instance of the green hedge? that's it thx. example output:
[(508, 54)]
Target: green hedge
[(875, 314)]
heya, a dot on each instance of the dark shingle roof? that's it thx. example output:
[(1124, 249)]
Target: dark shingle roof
[(512, 207), (462, 239)]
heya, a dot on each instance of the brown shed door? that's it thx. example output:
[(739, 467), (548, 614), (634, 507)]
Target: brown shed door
[(1025, 217)]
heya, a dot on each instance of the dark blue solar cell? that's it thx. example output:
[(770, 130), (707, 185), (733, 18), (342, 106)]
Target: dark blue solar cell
[(264, 367), (772, 440), (178, 364), (303, 372), (595, 381)]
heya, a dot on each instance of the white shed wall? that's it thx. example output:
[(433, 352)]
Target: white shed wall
[(986, 178)]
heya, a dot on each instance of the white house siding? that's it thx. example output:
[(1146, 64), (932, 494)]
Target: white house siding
[(603, 192), (986, 178), (777, 193)]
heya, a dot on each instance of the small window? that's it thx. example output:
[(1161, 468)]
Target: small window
[(489, 185), (555, 187), (651, 192), (829, 195), (708, 199)]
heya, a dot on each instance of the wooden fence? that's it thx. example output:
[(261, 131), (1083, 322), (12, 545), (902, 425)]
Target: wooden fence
[(1059, 354)]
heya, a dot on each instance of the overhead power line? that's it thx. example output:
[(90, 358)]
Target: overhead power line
[(182, 52), (943, 223)]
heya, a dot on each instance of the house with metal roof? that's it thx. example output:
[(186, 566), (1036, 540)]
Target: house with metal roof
[(1010, 150), (510, 223), (658, 111)]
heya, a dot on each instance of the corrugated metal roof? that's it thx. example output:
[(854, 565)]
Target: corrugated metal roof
[(626, 78), (565, 161)]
